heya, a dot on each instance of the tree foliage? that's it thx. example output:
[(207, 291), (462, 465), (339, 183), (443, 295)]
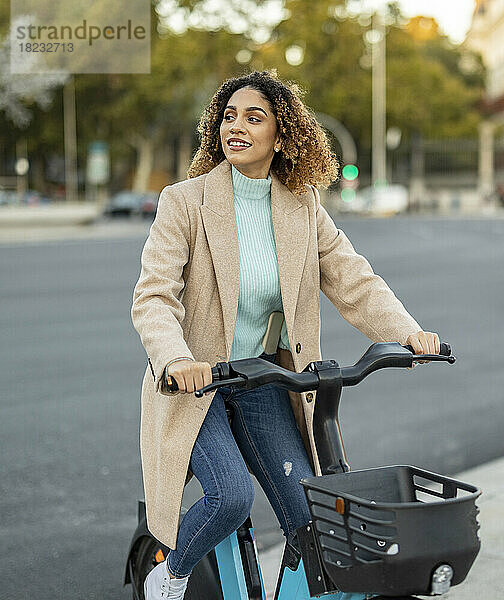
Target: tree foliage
[(428, 89), (432, 85)]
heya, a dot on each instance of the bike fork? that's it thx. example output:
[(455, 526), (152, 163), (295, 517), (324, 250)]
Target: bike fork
[(292, 580), (293, 586)]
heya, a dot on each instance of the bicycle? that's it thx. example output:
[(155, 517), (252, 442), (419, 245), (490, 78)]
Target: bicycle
[(387, 532)]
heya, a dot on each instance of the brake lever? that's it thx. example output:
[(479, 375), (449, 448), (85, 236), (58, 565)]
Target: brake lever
[(238, 381), (439, 357)]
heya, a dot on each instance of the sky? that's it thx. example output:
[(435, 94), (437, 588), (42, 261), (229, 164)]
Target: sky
[(453, 16)]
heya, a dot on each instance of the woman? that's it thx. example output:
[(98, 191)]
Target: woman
[(244, 236)]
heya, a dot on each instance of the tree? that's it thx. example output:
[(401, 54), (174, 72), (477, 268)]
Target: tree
[(427, 91), (432, 85), (143, 111)]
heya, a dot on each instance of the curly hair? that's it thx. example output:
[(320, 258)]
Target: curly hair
[(305, 156)]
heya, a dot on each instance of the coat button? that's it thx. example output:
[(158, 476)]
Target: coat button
[(298, 347), (309, 397)]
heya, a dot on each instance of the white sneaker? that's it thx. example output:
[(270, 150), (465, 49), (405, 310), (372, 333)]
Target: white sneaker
[(159, 585)]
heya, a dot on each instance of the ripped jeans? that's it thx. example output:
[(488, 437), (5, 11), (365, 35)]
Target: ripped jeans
[(264, 433)]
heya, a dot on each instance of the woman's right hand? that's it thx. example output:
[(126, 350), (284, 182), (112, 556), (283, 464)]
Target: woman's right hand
[(191, 375)]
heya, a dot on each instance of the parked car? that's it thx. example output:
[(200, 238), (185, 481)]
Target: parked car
[(149, 205), (129, 203), (388, 200), (34, 198), (124, 203), (29, 197), (354, 205), (8, 197)]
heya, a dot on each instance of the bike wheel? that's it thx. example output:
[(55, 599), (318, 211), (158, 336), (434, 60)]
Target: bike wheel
[(204, 582), (144, 562)]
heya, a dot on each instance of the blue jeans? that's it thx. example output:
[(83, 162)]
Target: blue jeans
[(263, 432)]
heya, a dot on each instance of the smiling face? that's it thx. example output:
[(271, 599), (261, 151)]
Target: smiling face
[(248, 117)]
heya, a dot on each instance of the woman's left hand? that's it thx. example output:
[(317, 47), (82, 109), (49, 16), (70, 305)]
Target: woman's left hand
[(424, 342)]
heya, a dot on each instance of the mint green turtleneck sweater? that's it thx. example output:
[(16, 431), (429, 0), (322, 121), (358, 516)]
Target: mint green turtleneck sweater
[(259, 292)]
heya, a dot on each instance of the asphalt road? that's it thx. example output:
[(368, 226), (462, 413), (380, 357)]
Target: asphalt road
[(71, 366)]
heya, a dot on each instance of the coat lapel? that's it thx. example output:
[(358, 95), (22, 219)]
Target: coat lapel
[(290, 225)]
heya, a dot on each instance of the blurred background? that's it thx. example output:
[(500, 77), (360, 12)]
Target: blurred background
[(411, 94), (409, 101)]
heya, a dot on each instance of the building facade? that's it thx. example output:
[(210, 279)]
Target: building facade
[(486, 36)]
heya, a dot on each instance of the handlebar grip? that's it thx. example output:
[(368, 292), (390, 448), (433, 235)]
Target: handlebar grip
[(445, 349), (173, 385)]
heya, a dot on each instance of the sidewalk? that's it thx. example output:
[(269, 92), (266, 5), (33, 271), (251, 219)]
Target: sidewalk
[(48, 215), (486, 577), (67, 222), (101, 229)]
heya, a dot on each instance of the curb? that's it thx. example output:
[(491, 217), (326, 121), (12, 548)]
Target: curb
[(48, 215), (64, 233)]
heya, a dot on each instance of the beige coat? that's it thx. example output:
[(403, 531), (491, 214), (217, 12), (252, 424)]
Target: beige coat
[(185, 303)]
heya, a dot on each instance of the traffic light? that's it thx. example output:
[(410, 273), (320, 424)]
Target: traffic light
[(349, 182), (347, 195), (350, 172)]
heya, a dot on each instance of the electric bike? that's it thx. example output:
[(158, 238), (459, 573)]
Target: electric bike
[(387, 532)]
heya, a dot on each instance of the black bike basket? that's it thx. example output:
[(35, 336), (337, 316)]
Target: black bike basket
[(387, 530)]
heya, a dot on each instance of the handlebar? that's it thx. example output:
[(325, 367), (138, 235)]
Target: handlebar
[(250, 373)]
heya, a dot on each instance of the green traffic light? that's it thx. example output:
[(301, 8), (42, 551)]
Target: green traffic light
[(350, 172), (348, 195)]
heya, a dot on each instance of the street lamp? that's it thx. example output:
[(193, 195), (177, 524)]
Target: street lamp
[(376, 39), (70, 135)]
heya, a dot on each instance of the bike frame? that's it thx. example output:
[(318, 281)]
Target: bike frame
[(237, 576)]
